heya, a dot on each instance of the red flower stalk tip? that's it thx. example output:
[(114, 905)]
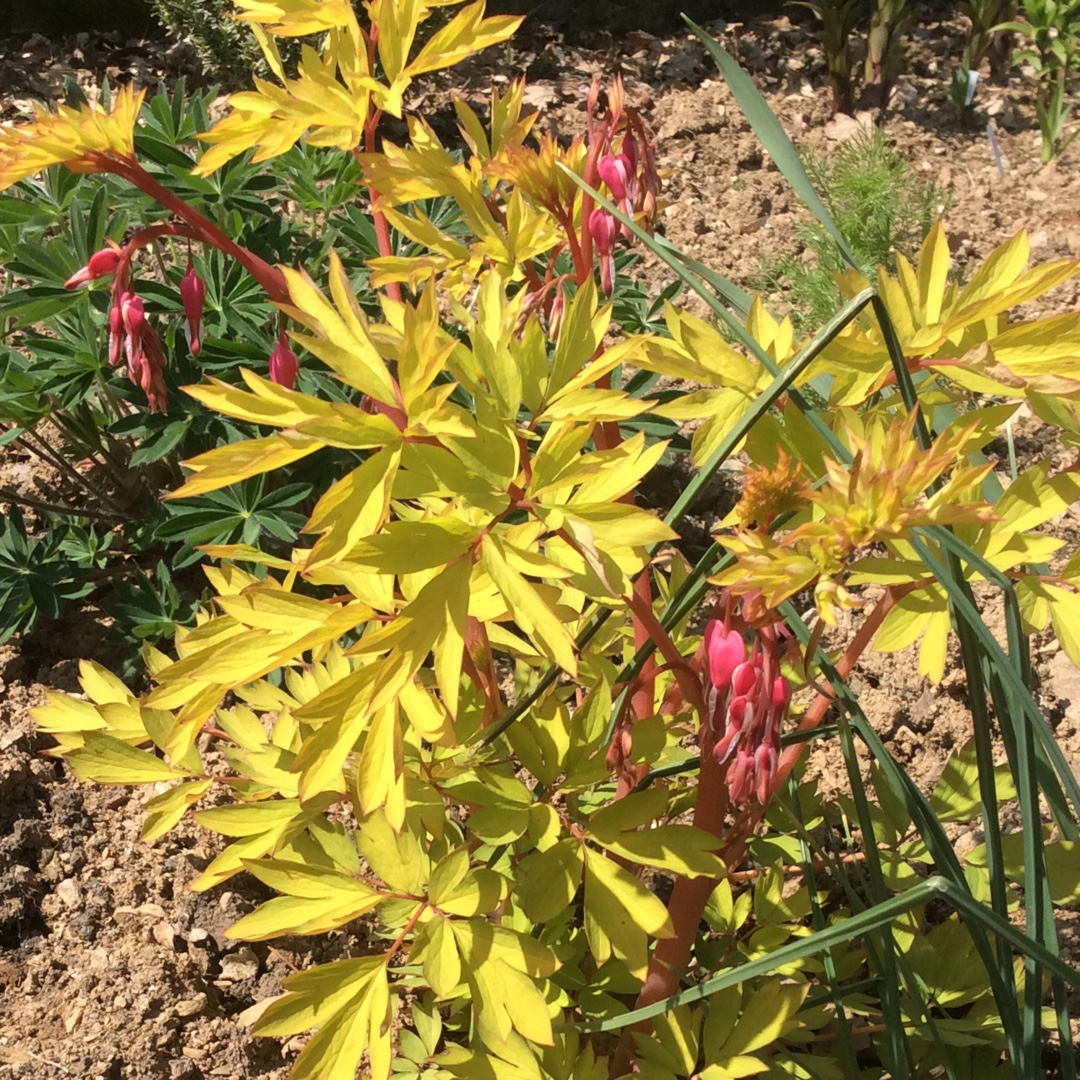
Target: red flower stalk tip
[(283, 364), (101, 264), (193, 296)]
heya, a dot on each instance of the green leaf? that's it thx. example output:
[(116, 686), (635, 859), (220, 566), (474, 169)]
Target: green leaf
[(106, 760), (956, 794), (621, 914), (549, 880)]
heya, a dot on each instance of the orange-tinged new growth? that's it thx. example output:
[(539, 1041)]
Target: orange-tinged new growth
[(768, 493), (878, 498), (86, 140)]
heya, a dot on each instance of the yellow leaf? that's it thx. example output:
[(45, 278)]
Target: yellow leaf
[(268, 403), (617, 525), (1001, 268), (101, 686), (635, 461), (480, 940), (291, 915), (396, 857), (229, 464), (765, 1018), (907, 621), (491, 451), (353, 508), (165, 810), (379, 779), (249, 819), (621, 914), (64, 713), (349, 1003), (578, 339), (350, 428), (397, 21), (935, 646), (86, 140), (549, 880), (316, 995), (528, 609), (466, 33), (442, 962), (734, 1068), (321, 760), (107, 760), (405, 547), (933, 272), (1065, 613), (339, 332)]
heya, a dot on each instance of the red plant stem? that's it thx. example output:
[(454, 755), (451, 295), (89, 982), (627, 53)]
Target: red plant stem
[(643, 700), (204, 230), (582, 266), (844, 666), (597, 144), (406, 930), (688, 900), (645, 619), (378, 218), (690, 895)]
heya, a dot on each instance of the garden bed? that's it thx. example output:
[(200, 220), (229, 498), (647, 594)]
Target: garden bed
[(109, 966)]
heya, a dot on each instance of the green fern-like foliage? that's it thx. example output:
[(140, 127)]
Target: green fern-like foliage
[(228, 51), (879, 206)]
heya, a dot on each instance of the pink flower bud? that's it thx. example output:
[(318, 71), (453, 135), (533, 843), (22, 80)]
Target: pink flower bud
[(740, 718), (740, 777), (616, 171), (283, 364), (193, 296), (101, 263), (781, 693), (725, 650), (765, 760), (558, 308), (629, 150), (744, 678), (604, 229), (133, 316), (132, 313), (116, 334)]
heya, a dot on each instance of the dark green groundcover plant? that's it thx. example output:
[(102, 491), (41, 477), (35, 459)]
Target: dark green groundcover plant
[(104, 537)]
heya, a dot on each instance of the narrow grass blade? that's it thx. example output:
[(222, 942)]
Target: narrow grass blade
[(922, 814), (933, 888), (847, 1058), (772, 135), (739, 300)]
